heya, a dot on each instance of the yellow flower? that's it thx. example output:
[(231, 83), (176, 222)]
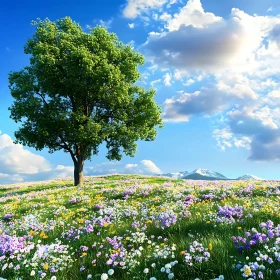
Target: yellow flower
[(106, 224), (208, 222), (239, 228), (247, 271), (210, 246), (54, 260), (46, 266), (84, 254), (182, 252)]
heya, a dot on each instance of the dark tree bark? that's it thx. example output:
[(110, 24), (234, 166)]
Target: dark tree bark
[(78, 172)]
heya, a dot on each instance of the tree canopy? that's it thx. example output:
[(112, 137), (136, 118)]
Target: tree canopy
[(80, 91)]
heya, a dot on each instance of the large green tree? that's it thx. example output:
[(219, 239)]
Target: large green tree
[(80, 91)]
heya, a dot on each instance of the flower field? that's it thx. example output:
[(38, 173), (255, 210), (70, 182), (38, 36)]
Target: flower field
[(133, 227)]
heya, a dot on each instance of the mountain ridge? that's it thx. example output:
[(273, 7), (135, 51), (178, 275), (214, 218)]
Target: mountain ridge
[(206, 174)]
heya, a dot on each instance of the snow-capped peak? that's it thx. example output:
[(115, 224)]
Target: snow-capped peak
[(248, 177), (208, 173)]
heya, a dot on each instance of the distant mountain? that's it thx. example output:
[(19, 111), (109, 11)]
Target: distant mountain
[(248, 177), (205, 174), (173, 175)]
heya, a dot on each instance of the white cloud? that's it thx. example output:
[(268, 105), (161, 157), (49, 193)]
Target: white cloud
[(191, 14), (130, 166), (153, 83), (131, 25), (149, 166), (144, 167), (135, 8), (106, 23), (209, 100), (239, 56), (226, 139), (18, 164), (167, 79), (195, 40), (15, 159)]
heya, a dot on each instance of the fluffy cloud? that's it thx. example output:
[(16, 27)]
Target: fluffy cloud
[(195, 40), (167, 79), (131, 25), (240, 57), (145, 166), (135, 8), (191, 14), (18, 164), (15, 159), (226, 139), (208, 100)]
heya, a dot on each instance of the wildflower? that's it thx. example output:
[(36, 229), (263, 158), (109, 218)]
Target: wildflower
[(170, 275), (32, 273), (46, 266), (210, 246), (146, 270), (104, 276), (247, 270), (53, 278), (110, 271), (89, 276), (153, 278)]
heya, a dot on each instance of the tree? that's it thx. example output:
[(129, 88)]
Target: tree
[(80, 91)]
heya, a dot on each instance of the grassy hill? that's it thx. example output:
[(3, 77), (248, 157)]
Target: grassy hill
[(135, 227)]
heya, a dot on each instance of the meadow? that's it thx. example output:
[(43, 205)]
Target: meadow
[(137, 227)]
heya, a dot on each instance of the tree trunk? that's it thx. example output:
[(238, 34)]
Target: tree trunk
[(78, 172)]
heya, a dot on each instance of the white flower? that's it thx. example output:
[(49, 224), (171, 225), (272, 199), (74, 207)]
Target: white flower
[(89, 276), (153, 278), (110, 271), (32, 273), (167, 265), (104, 276), (221, 277), (146, 270), (53, 278), (153, 265), (162, 269), (170, 275)]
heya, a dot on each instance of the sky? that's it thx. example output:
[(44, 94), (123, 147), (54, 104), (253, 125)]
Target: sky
[(215, 66)]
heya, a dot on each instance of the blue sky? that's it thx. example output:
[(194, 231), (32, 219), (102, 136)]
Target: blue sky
[(215, 65)]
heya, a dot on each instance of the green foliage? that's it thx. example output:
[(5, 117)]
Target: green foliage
[(80, 91)]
